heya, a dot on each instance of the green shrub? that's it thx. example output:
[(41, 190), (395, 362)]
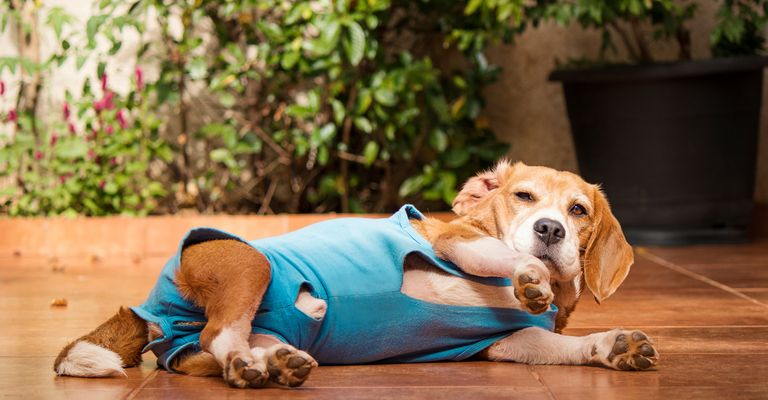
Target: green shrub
[(281, 106), (738, 31), (89, 157)]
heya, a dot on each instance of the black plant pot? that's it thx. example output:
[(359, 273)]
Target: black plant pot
[(673, 145)]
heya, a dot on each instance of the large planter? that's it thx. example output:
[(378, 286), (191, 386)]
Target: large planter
[(673, 145)]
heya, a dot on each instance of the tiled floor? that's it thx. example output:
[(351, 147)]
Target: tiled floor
[(706, 307)]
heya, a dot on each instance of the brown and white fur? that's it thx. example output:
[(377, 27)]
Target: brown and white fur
[(548, 231)]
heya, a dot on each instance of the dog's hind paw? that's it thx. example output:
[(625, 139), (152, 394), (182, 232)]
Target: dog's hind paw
[(288, 366), (626, 351), (243, 371), (532, 289)]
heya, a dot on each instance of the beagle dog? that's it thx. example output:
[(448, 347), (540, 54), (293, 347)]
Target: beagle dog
[(497, 282)]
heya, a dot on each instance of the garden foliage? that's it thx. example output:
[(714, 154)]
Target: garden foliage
[(738, 31), (259, 106)]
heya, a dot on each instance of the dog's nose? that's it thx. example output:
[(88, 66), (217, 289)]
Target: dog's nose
[(549, 231)]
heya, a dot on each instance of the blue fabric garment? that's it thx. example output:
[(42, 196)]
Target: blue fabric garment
[(356, 266)]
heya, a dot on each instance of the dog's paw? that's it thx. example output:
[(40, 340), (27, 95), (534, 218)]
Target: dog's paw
[(288, 366), (244, 371), (532, 289), (626, 351)]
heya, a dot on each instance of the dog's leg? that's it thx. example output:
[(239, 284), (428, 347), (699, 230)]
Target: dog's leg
[(486, 256), (228, 279), (617, 349), (286, 365)]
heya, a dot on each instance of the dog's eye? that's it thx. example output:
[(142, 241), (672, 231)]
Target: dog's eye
[(524, 196), (578, 210)]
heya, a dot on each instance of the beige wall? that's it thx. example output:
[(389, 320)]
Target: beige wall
[(529, 112)]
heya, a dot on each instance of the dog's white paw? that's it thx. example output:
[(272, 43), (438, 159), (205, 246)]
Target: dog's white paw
[(244, 370), (532, 287), (625, 350), (287, 365)]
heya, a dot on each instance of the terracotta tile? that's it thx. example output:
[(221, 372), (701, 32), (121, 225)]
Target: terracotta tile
[(654, 392), (734, 275), (711, 341), (701, 340), (674, 370), (33, 377), (760, 294), (668, 307), (471, 373), (751, 253), (647, 275), (361, 393)]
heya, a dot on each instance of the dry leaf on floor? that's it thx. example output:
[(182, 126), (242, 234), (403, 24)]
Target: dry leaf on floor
[(62, 302)]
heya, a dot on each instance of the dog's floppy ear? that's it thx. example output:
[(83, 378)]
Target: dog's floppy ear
[(608, 256), (479, 187)]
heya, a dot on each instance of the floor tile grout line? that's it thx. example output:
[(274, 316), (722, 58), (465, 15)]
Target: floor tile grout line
[(133, 393), (670, 265), (592, 327), (535, 374)]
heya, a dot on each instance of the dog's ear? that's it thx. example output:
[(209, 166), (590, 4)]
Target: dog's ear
[(608, 256), (480, 186)]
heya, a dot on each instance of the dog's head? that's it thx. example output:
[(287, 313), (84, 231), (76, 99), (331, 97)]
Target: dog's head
[(554, 216)]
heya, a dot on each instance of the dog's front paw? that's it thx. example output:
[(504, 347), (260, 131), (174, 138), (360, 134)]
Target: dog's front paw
[(244, 371), (532, 288), (289, 366), (626, 351)]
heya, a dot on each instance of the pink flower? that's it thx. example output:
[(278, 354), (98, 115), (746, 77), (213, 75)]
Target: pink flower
[(54, 139), (72, 130), (105, 103), (2, 88), (12, 116), (104, 81), (91, 154), (38, 155), (101, 184), (109, 130), (67, 112), (139, 79), (113, 161), (121, 119)]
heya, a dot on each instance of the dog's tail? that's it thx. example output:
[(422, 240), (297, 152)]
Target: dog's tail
[(115, 344)]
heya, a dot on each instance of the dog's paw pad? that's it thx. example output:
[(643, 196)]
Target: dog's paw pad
[(533, 291), (289, 366), (632, 351), (241, 372)]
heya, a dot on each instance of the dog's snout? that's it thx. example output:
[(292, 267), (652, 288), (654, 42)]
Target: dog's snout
[(549, 231)]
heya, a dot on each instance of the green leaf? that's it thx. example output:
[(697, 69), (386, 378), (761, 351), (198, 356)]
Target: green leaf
[(363, 124), (290, 59), (355, 46), (71, 149), (110, 188), (370, 152), (438, 140), (197, 68), (385, 96), (227, 100), (57, 19), (80, 61), (92, 27), (411, 185), (338, 111)]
